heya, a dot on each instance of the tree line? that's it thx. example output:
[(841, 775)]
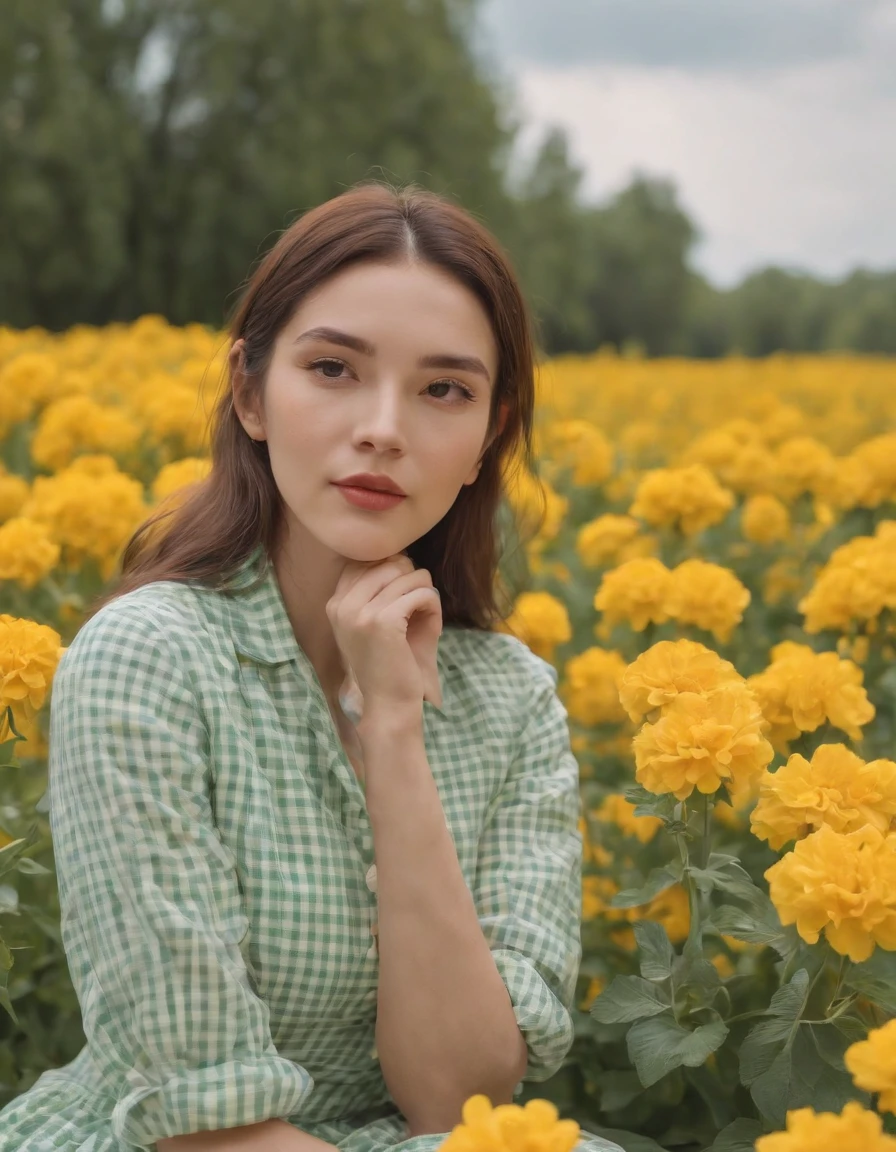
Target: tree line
[(152, 150)]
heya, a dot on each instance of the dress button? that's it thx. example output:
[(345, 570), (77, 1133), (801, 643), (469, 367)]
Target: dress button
[(371, 877)]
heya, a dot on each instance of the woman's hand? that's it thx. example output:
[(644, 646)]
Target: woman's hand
[(387, 619)]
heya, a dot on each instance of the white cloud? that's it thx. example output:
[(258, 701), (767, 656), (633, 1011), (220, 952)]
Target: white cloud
[(794, 166)]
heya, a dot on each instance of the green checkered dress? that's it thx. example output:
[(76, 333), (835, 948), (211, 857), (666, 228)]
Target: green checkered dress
[(216, 871)]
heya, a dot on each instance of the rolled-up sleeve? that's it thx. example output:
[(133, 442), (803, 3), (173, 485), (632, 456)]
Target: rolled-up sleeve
[(152, 915), (528, 888)]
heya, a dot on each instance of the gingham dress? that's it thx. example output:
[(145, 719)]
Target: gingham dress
[(217, 878)]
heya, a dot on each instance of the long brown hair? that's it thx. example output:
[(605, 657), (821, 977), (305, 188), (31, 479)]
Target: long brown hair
[(237, 507)]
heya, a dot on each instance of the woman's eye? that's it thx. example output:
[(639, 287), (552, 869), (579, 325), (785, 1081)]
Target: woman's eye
[(465, 392), (320, 364)]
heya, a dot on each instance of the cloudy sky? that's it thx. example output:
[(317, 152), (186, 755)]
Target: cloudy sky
[(775, 118)]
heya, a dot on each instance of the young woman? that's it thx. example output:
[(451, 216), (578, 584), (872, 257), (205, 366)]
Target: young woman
[(315, 821)]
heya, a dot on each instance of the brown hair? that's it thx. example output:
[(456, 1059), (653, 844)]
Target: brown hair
[(237, 507)]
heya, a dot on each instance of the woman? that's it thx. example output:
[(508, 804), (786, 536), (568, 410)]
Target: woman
[(315, 822)]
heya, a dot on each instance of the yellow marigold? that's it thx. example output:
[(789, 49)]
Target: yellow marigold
[(25, 381), (597, 891), (29, 654), (783, 578), (27, 552), (803, 465), (702, 741), (601, 540), (708, 596), (670, 908), (801, 689), (90, 516), (535, 503), (844, 884), (667, 668), (76, 424), (854, 1130), (752, 471), (764, 519), (595, 986), (636, 592), (877, 456), (533, 1127), (590, 689), (856, 584), (176, 476), (615, 809), (581, 446), (541, 621), (836, 788), (872, 1064), (13, 494), (688, 498)]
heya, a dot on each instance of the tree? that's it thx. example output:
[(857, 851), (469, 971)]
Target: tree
[(153, 149)]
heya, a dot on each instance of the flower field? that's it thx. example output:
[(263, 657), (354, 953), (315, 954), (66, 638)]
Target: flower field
[(710, 555)]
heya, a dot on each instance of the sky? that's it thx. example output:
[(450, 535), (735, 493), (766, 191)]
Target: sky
[(776, 119)]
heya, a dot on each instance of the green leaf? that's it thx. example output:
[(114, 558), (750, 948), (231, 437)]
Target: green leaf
[(875, 978), (745, 926), (851, 1027), (13, 851), (5, 1001), (648, 804), (5, 957), (696, 982), (617, 1089), (724, 873), (741, 1136), (658, 881), (29, 867), (629, 998), (629, 1141), (760, 1049), (657, 1046), (655, 953), (9, 900)]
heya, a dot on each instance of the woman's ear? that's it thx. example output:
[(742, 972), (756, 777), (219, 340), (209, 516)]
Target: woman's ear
[(246, 414)]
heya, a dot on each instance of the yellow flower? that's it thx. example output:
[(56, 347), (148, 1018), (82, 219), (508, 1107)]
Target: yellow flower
[(174, 477), (702, 741), (601, 540), (669, 908), (13, 494), (580, 445), (595, 986), (76, 424), (872, 1064), (804, 465), (667, 668), (533, 1127), (834, 788), (541, 621), (536, 504), (27, 553), (615, 809), (708, 596), (90, 516), (844, 884), (688, 498), (29, 653), (765, 520), (635, 592), (591, 687), (801, 689), (596, 894), (854, 1130)]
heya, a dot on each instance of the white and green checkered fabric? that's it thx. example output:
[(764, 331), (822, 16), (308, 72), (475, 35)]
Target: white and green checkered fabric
[(214, 859)]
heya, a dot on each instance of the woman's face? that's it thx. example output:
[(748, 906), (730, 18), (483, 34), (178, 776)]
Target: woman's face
[(385, 368)]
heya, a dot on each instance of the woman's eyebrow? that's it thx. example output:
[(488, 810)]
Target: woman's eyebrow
[(441, 360)]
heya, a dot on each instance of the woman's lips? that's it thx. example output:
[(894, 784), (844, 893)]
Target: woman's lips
[(368, 498)]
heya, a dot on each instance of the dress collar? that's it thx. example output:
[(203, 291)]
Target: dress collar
[(262, 630)]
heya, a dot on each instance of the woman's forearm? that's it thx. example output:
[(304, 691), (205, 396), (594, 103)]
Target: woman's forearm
[(268, 1136), (445, 1028)]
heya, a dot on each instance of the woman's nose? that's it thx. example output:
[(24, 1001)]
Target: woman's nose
[(382, 419)]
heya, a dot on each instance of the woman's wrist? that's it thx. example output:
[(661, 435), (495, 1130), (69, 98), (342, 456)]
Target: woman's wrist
[(385, 720)]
